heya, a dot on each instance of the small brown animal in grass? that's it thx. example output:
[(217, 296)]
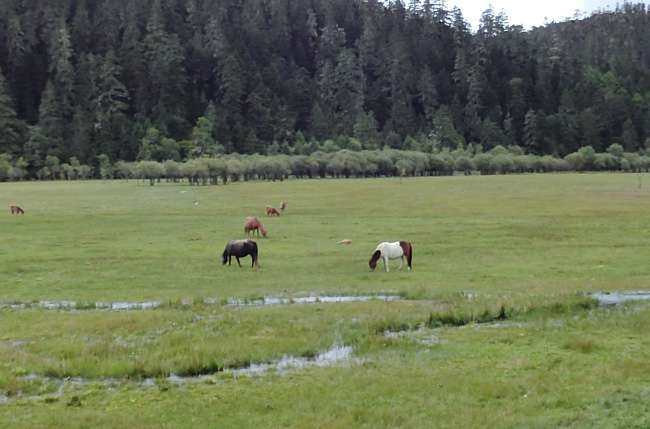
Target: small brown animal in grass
[(271, 211), (16, 210), (345, 242), (252, 224)]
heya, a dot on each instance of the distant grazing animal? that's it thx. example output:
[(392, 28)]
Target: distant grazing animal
[(346, 242), (240, 249), (16, 210), (396, 250), (283, 206), (271, 211), (252, 224)]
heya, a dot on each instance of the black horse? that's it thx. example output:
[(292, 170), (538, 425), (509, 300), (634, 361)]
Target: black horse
[(239, 249)]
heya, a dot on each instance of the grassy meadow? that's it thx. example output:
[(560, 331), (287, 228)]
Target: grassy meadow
[(519, 252)]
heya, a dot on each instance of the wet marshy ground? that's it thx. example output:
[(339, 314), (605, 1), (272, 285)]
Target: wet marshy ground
[(66, 305)]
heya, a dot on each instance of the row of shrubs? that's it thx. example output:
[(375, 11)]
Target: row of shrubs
[(343, 163)]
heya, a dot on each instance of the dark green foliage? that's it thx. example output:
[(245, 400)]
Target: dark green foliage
[(95, 76), (12, 129)]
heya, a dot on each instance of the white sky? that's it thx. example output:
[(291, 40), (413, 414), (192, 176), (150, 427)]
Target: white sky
[(530, 13)]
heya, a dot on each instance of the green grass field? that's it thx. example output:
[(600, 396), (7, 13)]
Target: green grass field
[(522, 248)]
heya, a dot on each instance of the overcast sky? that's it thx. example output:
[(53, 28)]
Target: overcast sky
[(529, 13)]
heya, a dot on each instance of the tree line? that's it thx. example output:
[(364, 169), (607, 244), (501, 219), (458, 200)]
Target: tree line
[(180, 80), (343, 163)]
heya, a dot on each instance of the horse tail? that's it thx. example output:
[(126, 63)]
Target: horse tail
[(254, 255), (409, 257), (407, 249)]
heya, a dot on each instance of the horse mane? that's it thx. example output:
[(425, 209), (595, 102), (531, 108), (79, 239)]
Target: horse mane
[(374, 258)]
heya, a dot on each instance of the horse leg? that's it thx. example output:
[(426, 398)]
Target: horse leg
[(386, 268), (401, 263), (238, 263)]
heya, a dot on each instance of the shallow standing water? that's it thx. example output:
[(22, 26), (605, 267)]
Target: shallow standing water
[(232, 302), (615, 298)]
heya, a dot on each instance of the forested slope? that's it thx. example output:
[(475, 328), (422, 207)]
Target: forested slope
[(176, 79)]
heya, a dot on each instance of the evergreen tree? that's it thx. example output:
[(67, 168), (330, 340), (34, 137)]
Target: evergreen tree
[(203, 139), (12, 130), (366, 131), (349, 91), (55, 117), (428, 100), (444, 133), (532, 139), (51, 121), (630, 136), (111, 107), (166, 75)]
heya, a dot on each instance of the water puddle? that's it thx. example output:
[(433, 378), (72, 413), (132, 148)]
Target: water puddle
[(421, 335), (232, 302), (126, 306), (336, 355), (615, 298), (431, 336), (73, 305), (327, 299), (497, 325), (333, 356)]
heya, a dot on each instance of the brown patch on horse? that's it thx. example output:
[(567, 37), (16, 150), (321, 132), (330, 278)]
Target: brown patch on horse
[(16, 210), (373, 260), (407, 248), (272, 211)]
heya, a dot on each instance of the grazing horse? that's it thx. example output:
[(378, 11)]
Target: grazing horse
[(396, 250), (283, 206), (252, 224), (239, 249), (271, 211), (16, 210)]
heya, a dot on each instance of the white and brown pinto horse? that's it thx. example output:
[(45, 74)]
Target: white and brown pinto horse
[(388, 251)]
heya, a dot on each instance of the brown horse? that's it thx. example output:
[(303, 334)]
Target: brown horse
[(272, 211), (252, 224), (16, 210)]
